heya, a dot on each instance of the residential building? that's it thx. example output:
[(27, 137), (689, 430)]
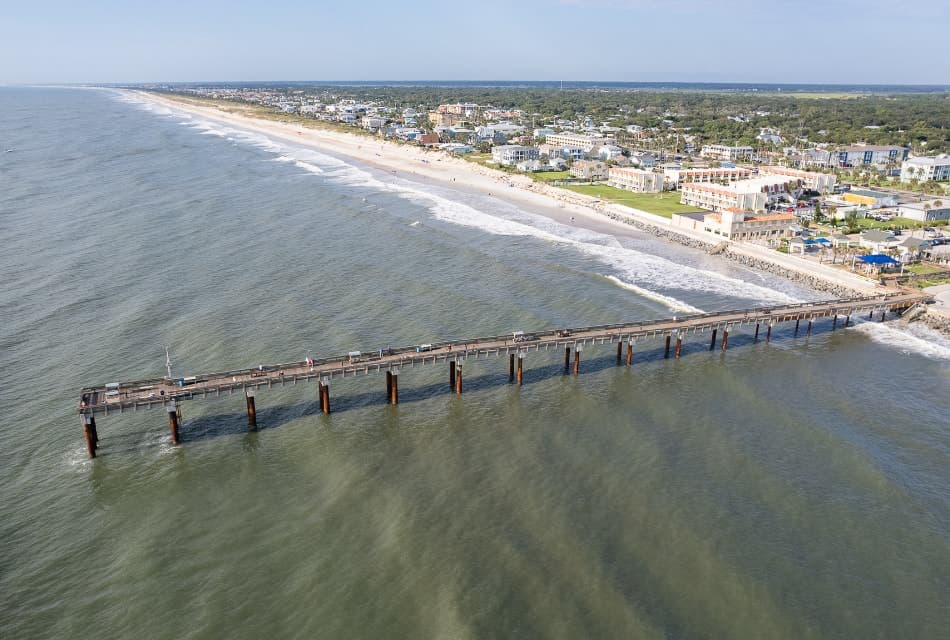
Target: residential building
[(586, 142), (925, 168), (878, 240), (722, 175), (870, 199), (529, 166), (608, 152), (542, 132), (865, 154), (820, 182), (642, 159), (725, 152), (636, 180), (926, 211), (736, 224), (722, 198), (589, 169), (511, 154), (372, 123)]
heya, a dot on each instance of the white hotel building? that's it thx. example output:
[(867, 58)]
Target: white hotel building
[(722, 175), (724, 152), (820, 182), (585, 142), (636, 180), (721, 198)]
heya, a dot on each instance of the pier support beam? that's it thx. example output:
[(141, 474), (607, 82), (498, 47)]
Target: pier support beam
[(325, 396), (89, 428), (834, 322), (389, 385), (666, 350), (520, 369), (511, 367), (883, 313), (756, 338), (567, 359), (768, 334), (577, 359), (629, 352), (619, 350), (458, 378), (797, 321), (712, 342), (393, 387), (173, 422), (847, 320), (808, 331), (251, 410), (725, 338), (451, 374), (871, 315), (679, 346)]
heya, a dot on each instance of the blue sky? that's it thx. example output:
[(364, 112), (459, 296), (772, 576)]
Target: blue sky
[(846, 41)]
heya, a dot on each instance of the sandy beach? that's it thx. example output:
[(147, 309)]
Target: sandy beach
[(426, 164)]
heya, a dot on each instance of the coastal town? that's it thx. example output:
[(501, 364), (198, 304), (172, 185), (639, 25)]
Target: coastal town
[(880, 210)]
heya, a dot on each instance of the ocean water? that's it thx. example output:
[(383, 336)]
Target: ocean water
[(799, 489)]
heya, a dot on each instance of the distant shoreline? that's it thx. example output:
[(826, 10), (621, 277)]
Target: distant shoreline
[(561, 205)]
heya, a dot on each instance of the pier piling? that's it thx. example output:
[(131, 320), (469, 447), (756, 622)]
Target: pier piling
[(458, 378), (712, 342), (251, 410), (619, 350), (325, 396), (520, 369), (725, 338), (756, 338), (847, 320), (797, 321), (567, 359), (679, 346), (666, 349), (394, 387), (451, 374), (629, 352), (808, 331), (577, 359), (389, 385), (768, 334), (834, 322), (173, 422), (511, 367), (88, 429)]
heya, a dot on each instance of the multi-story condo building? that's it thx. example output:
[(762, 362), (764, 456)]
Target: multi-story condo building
[(584, 141), (721, 198), (820, 182), (636, 180), (722, 175), (725, 152), (589, 169), (511, 154), (735, 224), (925, 168), (864, 154)]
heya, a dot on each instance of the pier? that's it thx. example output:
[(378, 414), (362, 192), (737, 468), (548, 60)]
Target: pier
[(168, 393)]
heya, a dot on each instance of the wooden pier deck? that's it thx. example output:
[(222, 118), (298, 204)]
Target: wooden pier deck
[(112, 398)]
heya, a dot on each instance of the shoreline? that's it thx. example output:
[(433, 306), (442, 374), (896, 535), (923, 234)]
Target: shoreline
[(560, 205)]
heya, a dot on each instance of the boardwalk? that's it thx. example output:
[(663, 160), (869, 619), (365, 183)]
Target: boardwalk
[(119, 397)]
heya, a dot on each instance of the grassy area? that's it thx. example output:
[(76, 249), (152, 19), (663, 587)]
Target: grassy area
[(551, 176), (923, 284), (893, 223), (922, 268), (662, 204)]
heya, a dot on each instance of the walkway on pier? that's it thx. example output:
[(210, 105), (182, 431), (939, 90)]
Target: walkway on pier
[(162, 392)]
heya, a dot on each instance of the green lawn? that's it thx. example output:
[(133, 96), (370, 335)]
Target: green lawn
[(550, 176), (662, 204), (922, 268), (893, 223)]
